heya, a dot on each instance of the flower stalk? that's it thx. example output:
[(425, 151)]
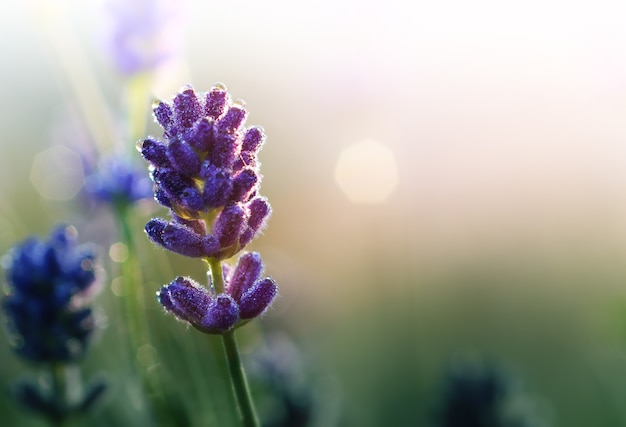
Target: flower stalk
[(238, 377)]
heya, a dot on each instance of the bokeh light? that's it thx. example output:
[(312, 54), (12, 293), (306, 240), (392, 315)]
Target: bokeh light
[(57, 173), (366, 172)]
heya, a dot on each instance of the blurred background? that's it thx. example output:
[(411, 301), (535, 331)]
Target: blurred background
[(447, 180)]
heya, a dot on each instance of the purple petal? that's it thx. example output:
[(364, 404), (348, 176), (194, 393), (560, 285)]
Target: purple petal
[(184, 159), (232, 120), (187, 108), (163, 114), (216, 101), (248, 269), (244, 185), (155, 152), (183, 240), (258, 298), (154, 229), (202, 137), (228, 225), (186, 299)]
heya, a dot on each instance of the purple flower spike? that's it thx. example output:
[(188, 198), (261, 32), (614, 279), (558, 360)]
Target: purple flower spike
[(248, 270), (257, 299), (49, 286)]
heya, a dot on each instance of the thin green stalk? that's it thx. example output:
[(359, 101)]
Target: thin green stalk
[(131, 277), (233, 358), (59, 390)]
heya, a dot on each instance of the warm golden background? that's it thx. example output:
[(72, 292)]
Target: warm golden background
[(488, 210)]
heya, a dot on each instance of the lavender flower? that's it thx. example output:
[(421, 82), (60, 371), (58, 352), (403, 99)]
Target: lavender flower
[(49, 285), (206, 172), (246, 296), (117, 181)]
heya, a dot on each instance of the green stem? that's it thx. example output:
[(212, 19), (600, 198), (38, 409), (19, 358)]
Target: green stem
[(233, 357), (131, 279), (60, 393)]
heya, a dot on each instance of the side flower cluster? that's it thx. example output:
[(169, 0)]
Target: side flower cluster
[(50, 284), (245, 297), (206, 172)]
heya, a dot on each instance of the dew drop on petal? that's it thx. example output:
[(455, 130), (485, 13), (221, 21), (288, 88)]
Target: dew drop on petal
[(220, 86)]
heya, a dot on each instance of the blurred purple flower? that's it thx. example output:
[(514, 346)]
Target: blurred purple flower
[(142, 34), (117, 181), (49, 285)]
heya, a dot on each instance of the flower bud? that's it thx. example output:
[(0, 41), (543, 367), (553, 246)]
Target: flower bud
[(257, 299)]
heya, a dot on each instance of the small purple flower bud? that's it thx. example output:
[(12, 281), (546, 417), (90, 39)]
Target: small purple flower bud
[(218, 185), (174, 184), (187, 108), (162, 198), (248, 269), (183, 240), (232, 120), (244, 185), (202, 136), (164, 115), (222, 315), (258, 212), (183, 158), (216, 101), (225, 150), (154, 229), (258, 298), (228, 225), (186, 299), (155, 152), (253, 139)]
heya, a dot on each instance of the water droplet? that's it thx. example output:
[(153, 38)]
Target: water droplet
[(239, 103), (156, 103), (139, 145), (220, 86)]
